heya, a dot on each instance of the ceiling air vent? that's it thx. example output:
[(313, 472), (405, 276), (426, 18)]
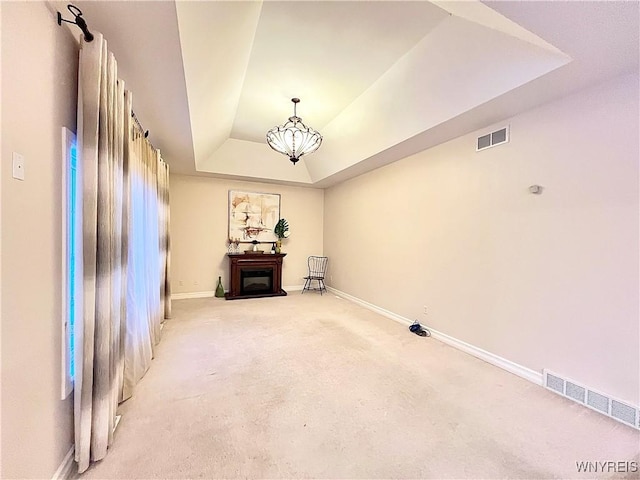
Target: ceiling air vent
[(492, 139)]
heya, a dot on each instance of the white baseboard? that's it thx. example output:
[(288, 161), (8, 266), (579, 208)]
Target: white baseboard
[(118, 418), (370, 306), (493, 359), (182, 296), (66, 468), (293, 288), (508, 365)]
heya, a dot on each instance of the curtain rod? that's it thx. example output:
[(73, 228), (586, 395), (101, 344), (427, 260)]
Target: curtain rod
[(78, 20), (134, 116), (145, 132), (88, 36)]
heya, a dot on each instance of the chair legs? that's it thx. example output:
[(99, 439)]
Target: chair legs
[(321, 285)]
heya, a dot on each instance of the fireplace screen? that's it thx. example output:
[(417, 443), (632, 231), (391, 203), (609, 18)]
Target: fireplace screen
[(256, 280)]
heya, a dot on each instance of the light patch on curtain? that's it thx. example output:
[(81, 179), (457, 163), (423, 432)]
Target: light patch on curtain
[(72, 236), (71, 257), (143, 313)]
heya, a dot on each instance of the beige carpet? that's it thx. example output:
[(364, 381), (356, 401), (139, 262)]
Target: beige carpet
[(306, 386)]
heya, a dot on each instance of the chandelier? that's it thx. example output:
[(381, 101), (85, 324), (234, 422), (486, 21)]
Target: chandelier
[(294, 139)]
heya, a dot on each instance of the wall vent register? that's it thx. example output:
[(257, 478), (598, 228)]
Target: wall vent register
[(492, 139), (597, 401)]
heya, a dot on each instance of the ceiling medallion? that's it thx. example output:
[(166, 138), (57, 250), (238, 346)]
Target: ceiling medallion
[(294, 139)]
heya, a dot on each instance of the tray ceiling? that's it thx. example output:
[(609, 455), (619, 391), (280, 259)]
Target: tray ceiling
[(380, 80)]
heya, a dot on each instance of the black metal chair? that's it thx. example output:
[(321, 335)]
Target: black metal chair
[(317, 270)]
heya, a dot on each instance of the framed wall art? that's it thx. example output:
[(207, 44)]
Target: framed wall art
[(253, 215)]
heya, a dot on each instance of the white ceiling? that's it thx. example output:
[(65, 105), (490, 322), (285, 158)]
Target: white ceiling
[(379, 79)]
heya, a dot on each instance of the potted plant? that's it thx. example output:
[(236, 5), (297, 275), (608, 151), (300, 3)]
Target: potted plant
[(282, 231)]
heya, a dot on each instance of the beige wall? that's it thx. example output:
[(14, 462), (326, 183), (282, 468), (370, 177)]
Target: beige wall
[(546, 281), (199, 230), (39, 64), (2, 167)]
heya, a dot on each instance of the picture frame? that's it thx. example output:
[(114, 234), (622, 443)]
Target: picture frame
[(253, 215)]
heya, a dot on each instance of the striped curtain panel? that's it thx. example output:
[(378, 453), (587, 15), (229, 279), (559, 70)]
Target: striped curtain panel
[(98, 341), (165, 240), (125, 244)]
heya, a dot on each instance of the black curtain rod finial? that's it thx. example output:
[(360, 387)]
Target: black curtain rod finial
[(88, 36), (78, 20)]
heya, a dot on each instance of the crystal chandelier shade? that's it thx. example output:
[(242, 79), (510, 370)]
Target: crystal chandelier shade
[(294, 139)]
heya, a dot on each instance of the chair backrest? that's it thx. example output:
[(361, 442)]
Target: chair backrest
[(317, 266)]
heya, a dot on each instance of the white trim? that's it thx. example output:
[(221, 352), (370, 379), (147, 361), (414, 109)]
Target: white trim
[(370, 306), (65, 470), (488, 357), (68, 138), (119, 417), (65, 387), (183, 296), (293, 288)]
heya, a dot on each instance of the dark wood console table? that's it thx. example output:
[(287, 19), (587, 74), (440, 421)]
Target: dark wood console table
[(255, 275)]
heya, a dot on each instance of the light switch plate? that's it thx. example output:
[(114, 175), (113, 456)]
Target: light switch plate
[(18, 166)]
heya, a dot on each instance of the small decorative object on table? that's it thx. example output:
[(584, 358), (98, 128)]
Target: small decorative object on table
[(282, 231), (236, 245), (230, 245), (273, 247), (254, 249), (219, 288)]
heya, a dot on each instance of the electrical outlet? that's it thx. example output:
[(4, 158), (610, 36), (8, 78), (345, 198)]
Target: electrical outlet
[(181, 283), (424, 309), (18, 166), (195, 283)]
